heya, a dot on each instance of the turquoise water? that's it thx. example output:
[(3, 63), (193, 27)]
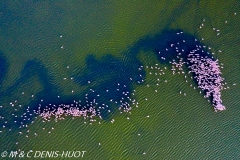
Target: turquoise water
[(45, 44)]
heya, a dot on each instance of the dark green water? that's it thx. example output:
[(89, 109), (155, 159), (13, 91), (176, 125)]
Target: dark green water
[(106, 42)]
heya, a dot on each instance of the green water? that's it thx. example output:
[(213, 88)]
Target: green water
[(178, 127)]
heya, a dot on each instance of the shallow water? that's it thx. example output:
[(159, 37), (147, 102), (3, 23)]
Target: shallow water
[(106, 43)]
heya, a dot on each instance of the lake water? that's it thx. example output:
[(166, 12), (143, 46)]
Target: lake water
[(55, 52)]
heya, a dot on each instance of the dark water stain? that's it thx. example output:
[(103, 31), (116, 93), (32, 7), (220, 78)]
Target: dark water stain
[(31, 68), (159, 43), (184, 42), (110, 74), (117, 75)]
